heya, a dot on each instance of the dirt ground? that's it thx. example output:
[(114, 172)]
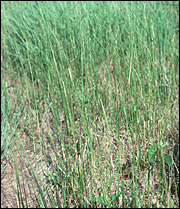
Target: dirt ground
[(9, 188)]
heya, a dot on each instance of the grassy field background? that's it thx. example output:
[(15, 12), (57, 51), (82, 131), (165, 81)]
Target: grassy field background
[(90, 104)]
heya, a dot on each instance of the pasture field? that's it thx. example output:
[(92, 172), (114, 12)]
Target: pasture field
[(89, 104)]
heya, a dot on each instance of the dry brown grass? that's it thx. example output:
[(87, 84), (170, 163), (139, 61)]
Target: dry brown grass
[(40, 140)]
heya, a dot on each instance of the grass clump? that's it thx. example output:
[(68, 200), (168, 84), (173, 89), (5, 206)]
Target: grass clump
[(96, 84)]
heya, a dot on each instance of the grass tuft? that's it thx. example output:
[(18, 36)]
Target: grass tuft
[(89, 96)]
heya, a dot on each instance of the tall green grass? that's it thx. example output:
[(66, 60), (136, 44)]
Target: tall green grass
[(99, 83), (9, 121)]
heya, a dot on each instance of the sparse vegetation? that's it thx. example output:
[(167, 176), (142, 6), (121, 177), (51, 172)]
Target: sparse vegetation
[(89, 97)]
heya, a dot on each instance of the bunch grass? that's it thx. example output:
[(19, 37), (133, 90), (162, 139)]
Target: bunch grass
[(96, 85)]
